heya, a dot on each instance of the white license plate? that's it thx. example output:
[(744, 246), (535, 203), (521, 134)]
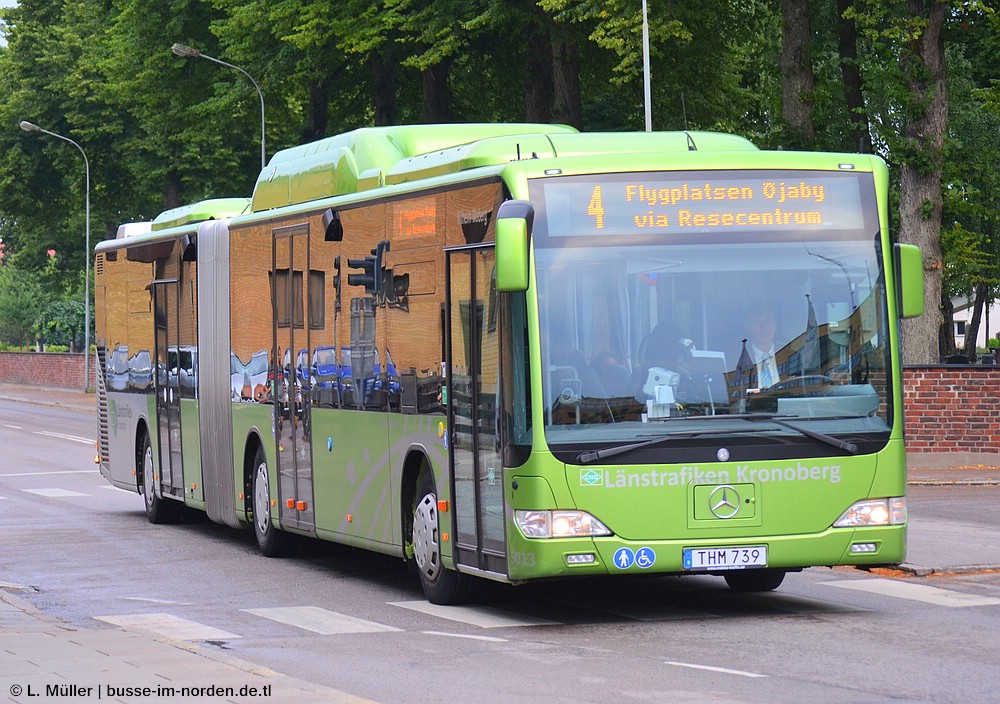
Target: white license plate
[(725, 558)]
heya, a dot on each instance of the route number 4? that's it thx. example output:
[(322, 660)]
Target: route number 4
[(596, 207)]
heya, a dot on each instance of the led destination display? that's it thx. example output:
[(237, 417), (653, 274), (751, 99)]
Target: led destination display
[(650, 203)]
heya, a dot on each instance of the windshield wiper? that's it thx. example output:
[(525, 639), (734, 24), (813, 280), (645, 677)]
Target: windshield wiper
[(590, 456), (849, 447), (777, 419)]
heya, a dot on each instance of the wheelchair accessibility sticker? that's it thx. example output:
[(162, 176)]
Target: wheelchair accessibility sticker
[(643, 558)]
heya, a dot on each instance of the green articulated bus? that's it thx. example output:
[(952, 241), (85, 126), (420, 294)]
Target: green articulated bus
[(516, 351)]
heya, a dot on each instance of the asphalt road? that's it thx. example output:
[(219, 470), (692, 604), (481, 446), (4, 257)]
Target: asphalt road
[(82, 551)]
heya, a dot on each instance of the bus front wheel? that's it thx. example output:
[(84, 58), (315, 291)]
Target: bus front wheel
[(270, 540), (440, 584), (754, 580)]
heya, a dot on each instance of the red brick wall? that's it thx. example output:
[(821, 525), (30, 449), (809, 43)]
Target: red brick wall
[(953, 409), (55, 369)]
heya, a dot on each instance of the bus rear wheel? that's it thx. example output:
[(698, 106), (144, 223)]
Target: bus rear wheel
[(158, 509), (270, 540), (754, 580), (440, 584)]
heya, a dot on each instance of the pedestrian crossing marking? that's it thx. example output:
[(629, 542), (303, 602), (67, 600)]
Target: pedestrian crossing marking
[(915, 592), (54, 493), (488, 639), (168, 626), (319, 620), (482, 616)]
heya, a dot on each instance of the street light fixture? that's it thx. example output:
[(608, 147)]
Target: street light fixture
[(189, 53), (30, 127)]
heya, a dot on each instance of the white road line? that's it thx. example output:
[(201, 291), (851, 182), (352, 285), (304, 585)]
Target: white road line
[(915, 592), (168, 626), (43, 474), (157, 601), (317, 620), (481, 616), (490, 639), (723, 670), (54, 493), (63, 436), (13, 427)]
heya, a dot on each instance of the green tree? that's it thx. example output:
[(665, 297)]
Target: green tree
[(906, 73), (970, 237), (21, 301), (42, 179)]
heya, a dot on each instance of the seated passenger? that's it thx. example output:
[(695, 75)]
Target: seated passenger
[(614, 376), (590, 382), (667, 349)]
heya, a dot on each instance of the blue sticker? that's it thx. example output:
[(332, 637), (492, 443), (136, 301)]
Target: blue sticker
[(624, 558), (329, 444), (645, 557)]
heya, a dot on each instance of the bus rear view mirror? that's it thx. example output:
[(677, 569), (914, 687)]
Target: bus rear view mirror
[(910, 280), (513, 225)]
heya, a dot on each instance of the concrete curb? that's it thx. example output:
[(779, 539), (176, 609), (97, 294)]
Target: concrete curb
[(953, 482), (919, 571)]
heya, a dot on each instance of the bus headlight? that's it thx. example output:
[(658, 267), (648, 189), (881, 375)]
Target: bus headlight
[(874, 512), (559, 524)]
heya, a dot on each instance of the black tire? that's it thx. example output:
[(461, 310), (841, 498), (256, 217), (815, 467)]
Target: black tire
[(440, 584), (754, 580), (159, 510), (271, 540)]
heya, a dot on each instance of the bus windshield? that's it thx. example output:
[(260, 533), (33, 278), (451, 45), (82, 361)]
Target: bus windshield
[(657, 331)]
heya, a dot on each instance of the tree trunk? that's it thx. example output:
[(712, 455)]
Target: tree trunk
[(858, 115), (437, 94), (318, 118), (567, 106), (383, 74), (539, 66), (922, 63), (173, 195), (946, 343), (797, 79), (972, 329)]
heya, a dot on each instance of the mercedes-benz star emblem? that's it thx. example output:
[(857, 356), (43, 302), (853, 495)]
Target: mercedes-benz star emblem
[(724, 501)]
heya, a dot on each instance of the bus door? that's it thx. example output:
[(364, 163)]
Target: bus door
[(473, 361), (166, 376), (293, 404)]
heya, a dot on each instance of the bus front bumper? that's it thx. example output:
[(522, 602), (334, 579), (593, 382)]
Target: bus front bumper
[(546, 558)]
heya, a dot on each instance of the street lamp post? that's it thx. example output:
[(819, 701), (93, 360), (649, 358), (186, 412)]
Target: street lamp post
[(29, 127), (189, 53), (645, 69)]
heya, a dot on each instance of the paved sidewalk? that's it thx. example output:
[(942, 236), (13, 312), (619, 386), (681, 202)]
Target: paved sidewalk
[(39, 651), (75, 399), (43, 659)]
